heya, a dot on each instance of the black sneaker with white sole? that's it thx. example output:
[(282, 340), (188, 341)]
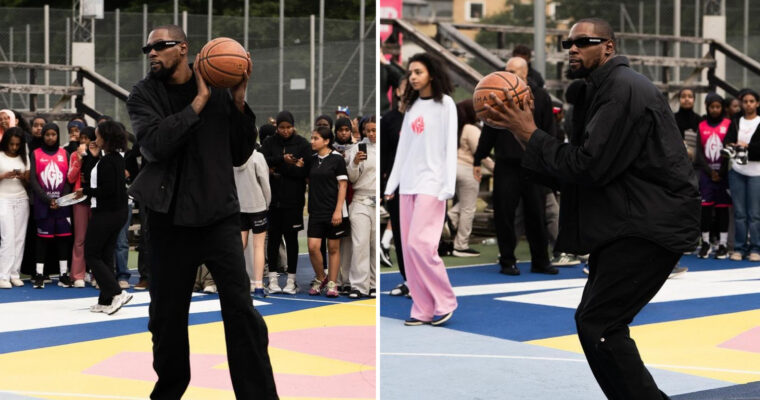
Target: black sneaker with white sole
[(355, 294), (438, 321), (400, 290), (721, 253), (38, 281), (415, 322), (704, 250), (468, 252), (385, 257), (65, 281)]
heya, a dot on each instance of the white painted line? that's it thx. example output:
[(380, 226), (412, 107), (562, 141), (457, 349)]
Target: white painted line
[(323, 301), (578, 360)]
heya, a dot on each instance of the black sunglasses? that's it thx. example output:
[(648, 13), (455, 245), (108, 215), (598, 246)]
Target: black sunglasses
[(160, 45), (582, 42)]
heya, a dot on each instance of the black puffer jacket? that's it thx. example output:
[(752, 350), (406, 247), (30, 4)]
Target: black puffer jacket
[(628, 175), (288, 182)]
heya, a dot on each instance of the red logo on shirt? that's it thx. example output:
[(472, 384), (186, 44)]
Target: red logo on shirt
[(418, 126)]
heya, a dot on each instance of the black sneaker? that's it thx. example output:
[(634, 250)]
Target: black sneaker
[(372, 293), (400, 290), (549, 270), (38, 281), (46, 278), (509, 269), (438, 321), (355, 294), (385, 257), (65, 281), (415, 322), (704, 250), (344, 290), (721, 253), (468, 252)]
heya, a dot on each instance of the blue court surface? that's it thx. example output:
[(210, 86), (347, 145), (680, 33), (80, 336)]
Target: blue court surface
[(513, 337), (52, 347)]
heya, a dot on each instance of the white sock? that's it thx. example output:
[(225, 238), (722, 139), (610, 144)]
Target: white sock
[(705, 237), (62, 265), (292, 277), (40, 268), (723, 238), (387, 237)]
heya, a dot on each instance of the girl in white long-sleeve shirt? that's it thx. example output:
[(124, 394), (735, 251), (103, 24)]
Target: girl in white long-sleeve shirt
[(424, 172)]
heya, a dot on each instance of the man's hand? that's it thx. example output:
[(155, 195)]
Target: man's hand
[(477, 173), (203, 90), (238, 91), (508, 115), (360, 156)]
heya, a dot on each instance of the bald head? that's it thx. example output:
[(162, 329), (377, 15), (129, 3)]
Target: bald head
[(519, 67)]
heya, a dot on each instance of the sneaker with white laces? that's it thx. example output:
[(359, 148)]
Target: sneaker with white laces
[(17, 282), (736, 256), (468, 252), (209, 289), (290, 287), (97, 307), (274, 286), (316, 287), (332, 290), (118, 301), (38, 281), (5, 284), (79, 283)]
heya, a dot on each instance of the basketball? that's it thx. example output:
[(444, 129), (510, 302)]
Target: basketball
[(494, 83), (223, 62)]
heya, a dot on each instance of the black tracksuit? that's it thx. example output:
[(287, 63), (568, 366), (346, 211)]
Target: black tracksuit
[(288, 184), (512, 183), (630, 198), (108, 217), (188, 186)]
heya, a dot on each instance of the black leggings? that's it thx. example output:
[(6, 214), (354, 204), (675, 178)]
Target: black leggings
[(62, 246), (721, 218), (100, 241), (280, 226)]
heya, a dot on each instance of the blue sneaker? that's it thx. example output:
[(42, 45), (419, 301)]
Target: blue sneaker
[(260, 293)]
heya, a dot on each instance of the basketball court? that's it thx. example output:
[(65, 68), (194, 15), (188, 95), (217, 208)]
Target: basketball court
[(514, 337), (53, 347)]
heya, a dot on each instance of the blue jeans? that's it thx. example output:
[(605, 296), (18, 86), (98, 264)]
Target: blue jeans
[(122, 249), (745, 194)]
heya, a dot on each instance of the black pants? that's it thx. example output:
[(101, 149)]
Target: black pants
[(392, 207), (509, 186), (62, 249), (623, 277), (99, 245), (176, 254), (280, 226), (143, 256)]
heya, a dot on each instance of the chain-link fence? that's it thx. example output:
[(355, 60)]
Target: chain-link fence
[(340, 78)]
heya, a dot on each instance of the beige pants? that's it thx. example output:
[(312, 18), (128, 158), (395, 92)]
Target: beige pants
[(362, 274)]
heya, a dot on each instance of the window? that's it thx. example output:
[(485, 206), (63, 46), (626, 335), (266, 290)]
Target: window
[(474, 11)]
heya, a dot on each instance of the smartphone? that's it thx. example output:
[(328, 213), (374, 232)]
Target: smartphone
[(363, 147)]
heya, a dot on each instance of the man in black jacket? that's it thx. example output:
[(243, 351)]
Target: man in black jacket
[(511, 184), (191, 136), (629, 197)]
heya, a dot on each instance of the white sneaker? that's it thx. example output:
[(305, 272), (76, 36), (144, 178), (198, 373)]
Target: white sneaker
[(96, 308), (79, 283), (274, 286), (124, 284), (17, 282), (118, 301), (209, 289), (5, 284), (290, 287)]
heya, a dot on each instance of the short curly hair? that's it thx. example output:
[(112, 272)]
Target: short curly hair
[(114, 136)]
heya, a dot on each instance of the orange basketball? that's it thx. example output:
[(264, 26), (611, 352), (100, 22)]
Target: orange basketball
[(494, 83), (223, 62)]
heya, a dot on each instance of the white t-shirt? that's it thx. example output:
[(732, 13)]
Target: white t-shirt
[(12, 188), (94, 184), (747, 128), (426, 156)]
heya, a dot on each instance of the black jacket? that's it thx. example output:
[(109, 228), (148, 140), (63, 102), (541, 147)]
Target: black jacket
[(390, 126), (288, 182), (210, 143), (111, 193), (630, 177), (508, 150)]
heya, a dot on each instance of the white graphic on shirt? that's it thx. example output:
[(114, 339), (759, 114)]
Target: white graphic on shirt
[(52, 176), (713, 145)]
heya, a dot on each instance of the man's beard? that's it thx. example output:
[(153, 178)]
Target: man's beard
[(579, 73), (163, 73), (341, 141)]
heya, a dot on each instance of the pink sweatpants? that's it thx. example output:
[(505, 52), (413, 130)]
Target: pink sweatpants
[(421, 220)]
